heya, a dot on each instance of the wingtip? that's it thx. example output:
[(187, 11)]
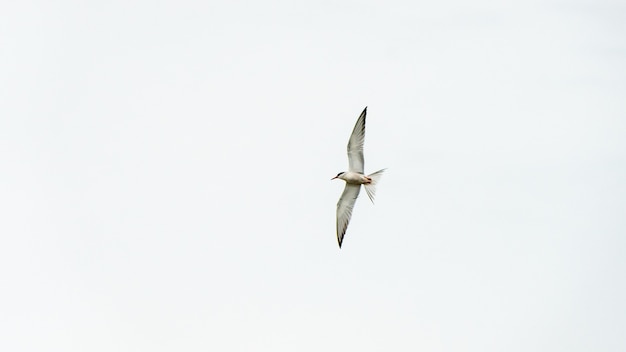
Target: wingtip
[(363, 113)]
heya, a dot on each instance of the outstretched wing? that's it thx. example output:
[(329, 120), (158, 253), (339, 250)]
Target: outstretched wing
[(355, 145), (344, 209)]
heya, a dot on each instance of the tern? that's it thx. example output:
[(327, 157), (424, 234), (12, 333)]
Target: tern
[(354, 178)]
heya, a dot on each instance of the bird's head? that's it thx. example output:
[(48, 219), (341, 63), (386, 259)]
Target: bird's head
[(338, 175)]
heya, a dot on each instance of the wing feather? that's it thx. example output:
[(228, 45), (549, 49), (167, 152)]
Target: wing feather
[(355, 145), (344, 209)]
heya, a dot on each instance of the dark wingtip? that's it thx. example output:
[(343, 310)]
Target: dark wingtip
[(364, 113)]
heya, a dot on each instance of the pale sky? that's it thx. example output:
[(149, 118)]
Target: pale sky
[(166, 166)]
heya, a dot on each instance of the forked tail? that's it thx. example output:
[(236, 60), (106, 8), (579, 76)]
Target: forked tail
[(371, 188)]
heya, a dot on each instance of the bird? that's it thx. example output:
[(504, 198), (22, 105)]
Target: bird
[(354, 178)]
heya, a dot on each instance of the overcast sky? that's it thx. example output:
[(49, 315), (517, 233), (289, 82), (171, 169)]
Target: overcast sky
[(165, 176)]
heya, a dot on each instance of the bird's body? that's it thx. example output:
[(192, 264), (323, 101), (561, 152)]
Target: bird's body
[(354, 178)]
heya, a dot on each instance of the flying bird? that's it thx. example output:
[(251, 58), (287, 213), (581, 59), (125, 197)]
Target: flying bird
[(354, 178)]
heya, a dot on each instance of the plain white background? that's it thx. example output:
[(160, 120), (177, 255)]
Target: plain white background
[(165, 176)]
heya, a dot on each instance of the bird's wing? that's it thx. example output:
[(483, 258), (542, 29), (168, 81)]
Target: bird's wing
[(355, 145), (344, 209)]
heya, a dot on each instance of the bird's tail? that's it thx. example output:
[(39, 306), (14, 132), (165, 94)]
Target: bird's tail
[(371, 188)]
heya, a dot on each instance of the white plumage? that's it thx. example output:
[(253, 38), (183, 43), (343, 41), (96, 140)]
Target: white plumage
[(354, 178)]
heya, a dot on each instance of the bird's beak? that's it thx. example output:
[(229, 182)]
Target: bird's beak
[(333, 178)]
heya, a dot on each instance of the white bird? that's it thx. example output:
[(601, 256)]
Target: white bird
[(354, 178)]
